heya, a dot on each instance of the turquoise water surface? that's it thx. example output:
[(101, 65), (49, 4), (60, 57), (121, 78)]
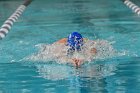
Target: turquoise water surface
[(46, 21)]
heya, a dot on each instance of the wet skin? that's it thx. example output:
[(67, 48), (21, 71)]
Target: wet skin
[(76, 61)]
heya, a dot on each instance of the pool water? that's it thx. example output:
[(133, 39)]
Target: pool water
[(46, 21)]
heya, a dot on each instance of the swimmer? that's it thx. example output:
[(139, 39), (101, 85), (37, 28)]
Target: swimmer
[(75, 43)]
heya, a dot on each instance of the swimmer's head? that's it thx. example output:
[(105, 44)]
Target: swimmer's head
[(75, 41)]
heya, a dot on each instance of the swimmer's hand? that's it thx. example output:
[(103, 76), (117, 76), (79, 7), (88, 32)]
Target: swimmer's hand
[(93, 51), (77, 62)]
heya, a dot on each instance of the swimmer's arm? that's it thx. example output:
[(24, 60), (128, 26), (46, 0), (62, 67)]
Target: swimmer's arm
[(89, 54), (93, 50), (62, 41)]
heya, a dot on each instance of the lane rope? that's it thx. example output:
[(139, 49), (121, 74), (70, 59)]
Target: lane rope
[(132, 6), (5, 28)]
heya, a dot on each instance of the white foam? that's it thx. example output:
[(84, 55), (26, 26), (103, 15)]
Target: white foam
[(57, 52), (59, 72)]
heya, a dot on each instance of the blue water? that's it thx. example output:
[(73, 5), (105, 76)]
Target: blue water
[(46, 21)]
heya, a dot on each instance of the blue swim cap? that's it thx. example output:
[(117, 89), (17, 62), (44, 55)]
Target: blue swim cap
[(75, 41)]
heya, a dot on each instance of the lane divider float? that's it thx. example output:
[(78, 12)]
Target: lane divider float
[(132, 6), (5, 28)]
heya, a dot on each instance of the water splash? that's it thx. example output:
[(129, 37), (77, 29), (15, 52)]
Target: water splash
[(59, 72), (58, 52)]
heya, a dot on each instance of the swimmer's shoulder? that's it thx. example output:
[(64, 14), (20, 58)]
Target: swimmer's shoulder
[(63, 40), (88, 40), (85, 39)]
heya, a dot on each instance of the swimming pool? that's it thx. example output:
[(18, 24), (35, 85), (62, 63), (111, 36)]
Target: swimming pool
[(46, 21)]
